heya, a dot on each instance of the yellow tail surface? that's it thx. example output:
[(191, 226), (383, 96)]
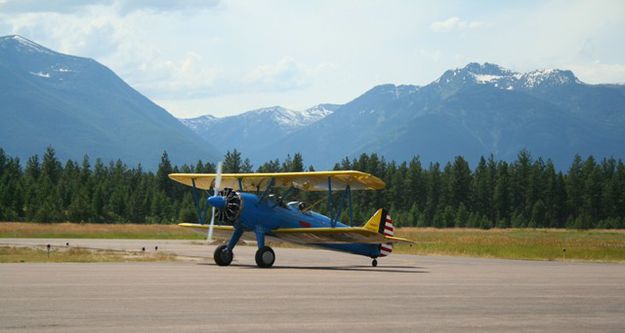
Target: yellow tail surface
[(382, 223), (374, 222)]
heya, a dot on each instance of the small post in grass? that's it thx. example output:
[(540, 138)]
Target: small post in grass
[(563, 254), (48, 246)]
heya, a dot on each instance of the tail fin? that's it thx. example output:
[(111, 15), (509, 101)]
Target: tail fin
[(389, 230), (382, 223)]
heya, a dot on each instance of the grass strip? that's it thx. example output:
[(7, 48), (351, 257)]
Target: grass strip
[(18, 254), (92, 230), (536, 244)]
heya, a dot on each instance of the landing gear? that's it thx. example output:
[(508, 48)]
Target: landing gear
[(223, 256), (374, 263), (265, 257)]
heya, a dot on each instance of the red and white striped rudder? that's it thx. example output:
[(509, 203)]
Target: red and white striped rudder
[(389, 230)]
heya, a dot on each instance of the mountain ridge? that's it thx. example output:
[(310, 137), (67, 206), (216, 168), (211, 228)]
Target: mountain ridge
[(474, 111), (79, 106), (256, 129)]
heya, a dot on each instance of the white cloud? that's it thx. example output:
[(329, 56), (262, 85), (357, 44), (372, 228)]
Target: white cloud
[(599, 73), (122, 6), (238, 55), (284, 75), (36, 6), (128, 6), (454, 23), (188, 77)]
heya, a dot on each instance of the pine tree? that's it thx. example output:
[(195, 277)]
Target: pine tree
[(575, 186), (162, 175), (298, 163), (538, 215), (592, 191), (269, 167), (462, 216), (501, 197), (482, 189), (232, 162), (461, 183), (520, 174)]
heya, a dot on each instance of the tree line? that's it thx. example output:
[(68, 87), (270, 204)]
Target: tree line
[(527, 192)]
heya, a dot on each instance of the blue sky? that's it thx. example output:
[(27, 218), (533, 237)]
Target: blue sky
[(226, 57)]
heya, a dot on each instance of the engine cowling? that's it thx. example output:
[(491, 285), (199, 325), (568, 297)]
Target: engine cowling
[(232, 208)]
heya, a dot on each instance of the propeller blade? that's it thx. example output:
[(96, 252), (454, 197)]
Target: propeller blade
[(218, 178), (209, 237)]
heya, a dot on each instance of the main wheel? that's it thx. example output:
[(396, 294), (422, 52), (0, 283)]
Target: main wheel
[(265, 257), (223, 256), (374, 263)]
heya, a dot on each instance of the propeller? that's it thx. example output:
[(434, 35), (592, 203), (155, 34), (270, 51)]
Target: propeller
[(209, 237)]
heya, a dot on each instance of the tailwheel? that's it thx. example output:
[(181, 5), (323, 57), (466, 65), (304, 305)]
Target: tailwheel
[(374, 263), (223, 256), (265, 257)]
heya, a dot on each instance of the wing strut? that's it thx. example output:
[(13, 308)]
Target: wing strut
[(267, 190), (335, 214), (351, 211), (345, 197), (332, 221), (201, 212)]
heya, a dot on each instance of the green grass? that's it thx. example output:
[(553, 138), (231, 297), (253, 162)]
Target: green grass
[(89, 230), (538, 244), (12, 254)]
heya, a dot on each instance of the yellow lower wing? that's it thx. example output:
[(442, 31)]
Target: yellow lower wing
[(219, 231), (308, 235), (334, 235)]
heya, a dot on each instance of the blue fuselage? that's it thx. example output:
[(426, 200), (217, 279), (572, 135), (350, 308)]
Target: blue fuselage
[(268, 215)]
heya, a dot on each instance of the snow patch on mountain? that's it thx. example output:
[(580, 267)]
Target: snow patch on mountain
[(553, 77), (41, 74), (25, 45), (484, 78), (286, 119), (197, 123), (503, 78)]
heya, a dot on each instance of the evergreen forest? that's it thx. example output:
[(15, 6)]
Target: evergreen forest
[(528, 192)]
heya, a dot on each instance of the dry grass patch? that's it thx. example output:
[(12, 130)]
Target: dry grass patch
[(91, 230), (13, 254), (542, 244)]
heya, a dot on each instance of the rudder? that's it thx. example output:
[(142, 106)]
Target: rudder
[(382, 223), (388, 230)]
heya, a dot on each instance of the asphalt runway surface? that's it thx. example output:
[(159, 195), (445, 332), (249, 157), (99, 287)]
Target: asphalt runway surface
[(307, 290)]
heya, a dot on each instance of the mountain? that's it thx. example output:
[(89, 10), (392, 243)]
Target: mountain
[(474, 111), (256, 130), (79, 106)]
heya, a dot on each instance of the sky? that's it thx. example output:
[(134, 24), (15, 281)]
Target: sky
[(222, 58)]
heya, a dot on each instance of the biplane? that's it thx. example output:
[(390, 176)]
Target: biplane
[(249, 206)]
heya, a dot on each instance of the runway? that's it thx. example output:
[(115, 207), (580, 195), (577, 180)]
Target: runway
[(307, 290)]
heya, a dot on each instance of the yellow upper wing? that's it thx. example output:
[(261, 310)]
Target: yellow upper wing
[(307, 181), (309, 235)]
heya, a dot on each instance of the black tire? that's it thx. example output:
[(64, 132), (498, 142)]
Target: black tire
[(265, 257), (223, 256), (374, 263)]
